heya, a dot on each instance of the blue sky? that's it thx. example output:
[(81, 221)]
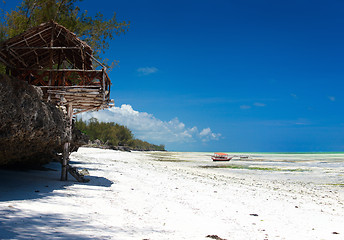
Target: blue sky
[(229, 75)]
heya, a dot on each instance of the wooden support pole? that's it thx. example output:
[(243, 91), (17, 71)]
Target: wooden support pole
[(66, 147), (103, 82), (65, 162), (51, 57)]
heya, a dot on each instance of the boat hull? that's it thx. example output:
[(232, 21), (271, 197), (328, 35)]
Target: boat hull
[(221, 159)]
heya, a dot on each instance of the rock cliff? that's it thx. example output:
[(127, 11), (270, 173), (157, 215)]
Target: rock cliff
[(32, 131)]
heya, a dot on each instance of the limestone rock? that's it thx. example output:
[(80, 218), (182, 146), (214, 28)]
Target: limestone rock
[(32, 131)]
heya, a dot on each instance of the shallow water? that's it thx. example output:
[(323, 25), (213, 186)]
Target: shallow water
[(319, 168)]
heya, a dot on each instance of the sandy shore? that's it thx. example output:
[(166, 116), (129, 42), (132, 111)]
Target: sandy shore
[(132, 196)]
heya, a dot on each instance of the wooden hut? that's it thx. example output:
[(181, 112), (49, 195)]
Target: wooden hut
[(55, 59), (52, 57)]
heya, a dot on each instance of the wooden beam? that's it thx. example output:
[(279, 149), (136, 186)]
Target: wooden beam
[(71, 87), (58, 70), (103, 79), (96, 60), (43, 39), (37, 58), (59, 33), (6, 63), (13, 53), (74, 172), (85, 110), (74, 93), (16, 43), (45, 48)]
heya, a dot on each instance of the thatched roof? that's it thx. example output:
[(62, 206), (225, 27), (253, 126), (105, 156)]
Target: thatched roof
[(42, 45), (55, 59)]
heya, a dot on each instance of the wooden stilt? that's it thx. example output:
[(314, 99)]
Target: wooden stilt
[(65, 162), (66, 147)]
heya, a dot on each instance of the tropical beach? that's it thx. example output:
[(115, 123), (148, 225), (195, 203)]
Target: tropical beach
[(176, 195), (174, 120)]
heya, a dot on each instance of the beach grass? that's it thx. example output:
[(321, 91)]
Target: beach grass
[(166, 157), (236, 166), (169, 160)]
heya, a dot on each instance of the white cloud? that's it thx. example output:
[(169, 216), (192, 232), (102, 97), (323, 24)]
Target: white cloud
[(294, 95), (146, 70), (332, 98), (258, 104), (147, 127), (245, 107), (207, 135), (205, 132), (291, 122)]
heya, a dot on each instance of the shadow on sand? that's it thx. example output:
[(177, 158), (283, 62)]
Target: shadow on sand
[(21, 185), (23, 225), (42, 226), (34, 184)]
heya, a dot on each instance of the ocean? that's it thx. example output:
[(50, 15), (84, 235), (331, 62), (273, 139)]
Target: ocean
[(318, 168)]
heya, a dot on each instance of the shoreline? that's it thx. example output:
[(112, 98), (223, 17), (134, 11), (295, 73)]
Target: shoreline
[(131, 195)]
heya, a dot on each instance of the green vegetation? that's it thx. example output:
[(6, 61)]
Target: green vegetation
[(166, 157), (113, 134), (336, 184), (234, 166)]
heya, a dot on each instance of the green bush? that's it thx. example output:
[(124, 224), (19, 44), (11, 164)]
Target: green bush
[(114, 135)]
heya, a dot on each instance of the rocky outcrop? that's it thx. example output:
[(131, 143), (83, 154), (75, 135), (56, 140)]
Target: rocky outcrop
[(32, 131)]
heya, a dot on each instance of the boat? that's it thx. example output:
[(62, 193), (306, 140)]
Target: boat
[(221, 157)]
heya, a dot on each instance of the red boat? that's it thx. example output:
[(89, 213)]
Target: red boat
[(221, 157)]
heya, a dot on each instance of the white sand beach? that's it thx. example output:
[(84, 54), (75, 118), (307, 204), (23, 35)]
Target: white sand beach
[(137, 195)]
